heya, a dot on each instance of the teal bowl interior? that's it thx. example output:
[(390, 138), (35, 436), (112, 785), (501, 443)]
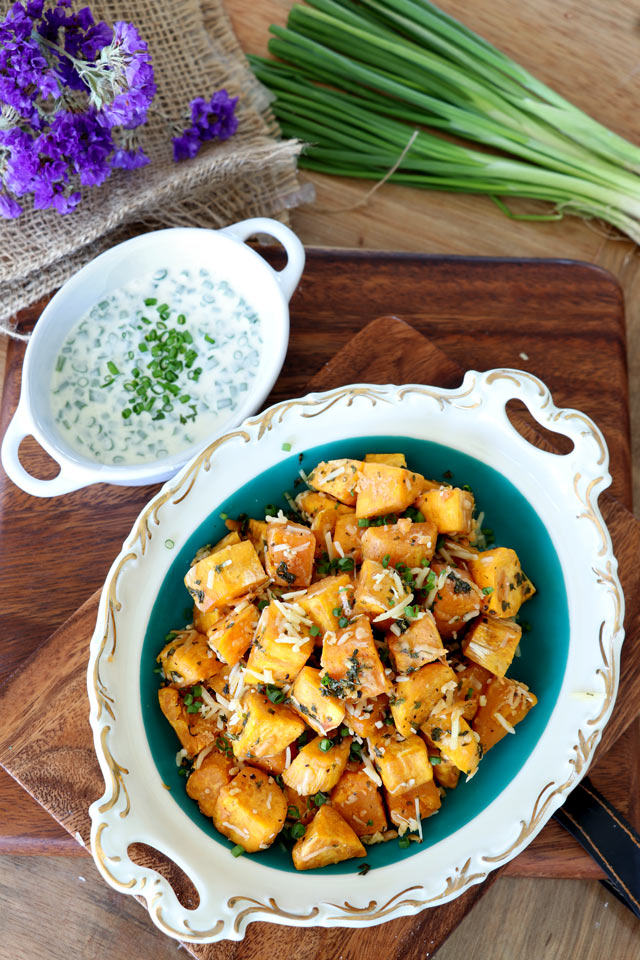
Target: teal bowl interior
[(544, 647)]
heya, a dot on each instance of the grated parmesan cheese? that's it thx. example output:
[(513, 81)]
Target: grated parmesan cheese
[(504, 723), (334, 474), (280, 518), (418, 817), (197, 763), (395, 613), (329, 542)]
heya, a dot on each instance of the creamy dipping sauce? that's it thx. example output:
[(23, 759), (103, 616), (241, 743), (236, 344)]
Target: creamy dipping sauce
[(155, 367)]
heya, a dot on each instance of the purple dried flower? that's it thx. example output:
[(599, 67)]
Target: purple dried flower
[(186, 146), (82, 144), (129, 159), (212, 119), (24, 70), (129, 76), (9, 207)]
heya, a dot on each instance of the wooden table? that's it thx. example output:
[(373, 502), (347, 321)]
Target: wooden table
[(589, 51)]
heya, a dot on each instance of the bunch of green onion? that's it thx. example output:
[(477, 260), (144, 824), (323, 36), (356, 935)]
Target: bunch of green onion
[(360, 80)]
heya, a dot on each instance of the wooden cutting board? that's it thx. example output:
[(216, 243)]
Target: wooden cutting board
[(47, 744), (567, 319)]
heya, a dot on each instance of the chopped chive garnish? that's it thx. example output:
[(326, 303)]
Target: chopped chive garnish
[(112, 368), (314, 631), (286, 446), (208, 338), (237, 851), (385, 560), (325, 744), (150, 302)]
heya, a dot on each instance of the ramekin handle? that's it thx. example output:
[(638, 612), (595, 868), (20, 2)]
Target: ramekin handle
[(289, 277), (71, 477)]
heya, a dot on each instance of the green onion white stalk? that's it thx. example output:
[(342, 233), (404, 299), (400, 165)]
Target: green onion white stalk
[(355, 79)]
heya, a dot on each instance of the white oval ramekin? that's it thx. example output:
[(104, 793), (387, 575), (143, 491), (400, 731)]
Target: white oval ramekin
[(223, 251)]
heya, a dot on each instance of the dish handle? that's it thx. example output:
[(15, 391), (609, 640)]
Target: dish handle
[(289, 277), (71, 476), (589, 452)]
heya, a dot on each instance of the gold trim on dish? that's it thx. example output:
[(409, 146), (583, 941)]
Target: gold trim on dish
[(269, 908)]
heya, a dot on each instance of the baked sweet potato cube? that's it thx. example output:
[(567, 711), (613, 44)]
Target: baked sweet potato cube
[(227, 541), (357, 799), (263, 728), (220, 683), (257, 534), (498, 572), (391, 459), (492, 642), (446, 774), (186, 659), (251, 810), (413, 699), (225, 575), (205, 783), (299, 808), (362, 717), (471, 683), (274, 765), (338, 478), (455, 739), (348, 535), (310, 504), (329, 839), (322, 524), (383, 489), (351, 659), (205, 621), (193, 731), (231, 639), (457, 601), (401, 542), (313, 701), (419, 644), (280, 647), (450, 508), (315, 769), (291, 548), (404, 812), (325, 596), (505, 703), (378, 590), (402, 764)]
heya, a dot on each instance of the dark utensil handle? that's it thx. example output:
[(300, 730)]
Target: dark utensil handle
[(608, 837)]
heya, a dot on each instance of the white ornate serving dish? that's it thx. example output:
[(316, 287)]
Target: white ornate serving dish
[(542, 504)]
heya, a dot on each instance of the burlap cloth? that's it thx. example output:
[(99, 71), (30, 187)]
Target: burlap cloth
[(194, 52)]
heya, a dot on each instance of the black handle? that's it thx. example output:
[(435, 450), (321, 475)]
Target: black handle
[(608, 837)]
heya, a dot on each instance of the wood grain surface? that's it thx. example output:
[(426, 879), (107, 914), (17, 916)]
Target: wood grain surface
[(588, 51)]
